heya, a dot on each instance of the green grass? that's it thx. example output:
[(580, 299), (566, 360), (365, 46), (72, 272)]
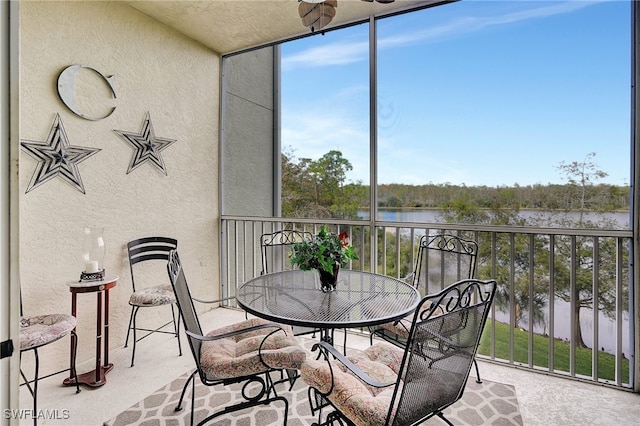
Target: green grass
[(606, 361)]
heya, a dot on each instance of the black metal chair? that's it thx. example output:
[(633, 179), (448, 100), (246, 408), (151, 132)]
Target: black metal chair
[(274, 249), (40, 330), (387, 385), (245, 352), (442, 259), (145, 250)]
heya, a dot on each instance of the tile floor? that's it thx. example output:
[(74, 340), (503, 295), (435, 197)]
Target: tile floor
[(544, 400)]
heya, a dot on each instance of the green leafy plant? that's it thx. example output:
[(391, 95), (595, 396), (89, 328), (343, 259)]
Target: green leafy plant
[(323, 252)]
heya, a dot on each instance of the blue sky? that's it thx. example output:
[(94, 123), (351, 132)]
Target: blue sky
[(475, 93)]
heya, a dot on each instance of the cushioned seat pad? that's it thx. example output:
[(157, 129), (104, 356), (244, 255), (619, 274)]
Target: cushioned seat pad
[(365, 404), (239, 355), (402, 326), (39, 330), (153, 296)]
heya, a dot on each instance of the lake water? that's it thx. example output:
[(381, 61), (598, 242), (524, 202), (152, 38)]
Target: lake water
[(606, 332), (434, 216)]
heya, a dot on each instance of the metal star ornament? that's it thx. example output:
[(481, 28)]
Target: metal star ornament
[(147, 145), (57, 158)]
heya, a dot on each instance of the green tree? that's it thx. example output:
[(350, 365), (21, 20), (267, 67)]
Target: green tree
[(495, 257), (569, 251), (316, 188), (297, 188), (581, 177)]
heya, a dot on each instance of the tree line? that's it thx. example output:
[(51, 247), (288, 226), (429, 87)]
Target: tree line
[(319, 188)]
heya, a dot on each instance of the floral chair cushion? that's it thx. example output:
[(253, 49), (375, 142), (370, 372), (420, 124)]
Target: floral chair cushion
[(363, 404), (153, 296), (402, 327), (239, 356), (367, 405), (39, 330)]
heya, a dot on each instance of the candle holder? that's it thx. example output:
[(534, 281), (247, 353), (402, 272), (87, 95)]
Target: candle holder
[(93, 251)]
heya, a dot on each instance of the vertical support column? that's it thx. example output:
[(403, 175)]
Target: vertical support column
[(9, 212), (634, 290), (373, 143)]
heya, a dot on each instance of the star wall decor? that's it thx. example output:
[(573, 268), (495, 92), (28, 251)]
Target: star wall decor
[(147, 145), (57, 158)]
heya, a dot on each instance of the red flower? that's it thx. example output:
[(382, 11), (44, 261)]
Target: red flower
[(344, 239)]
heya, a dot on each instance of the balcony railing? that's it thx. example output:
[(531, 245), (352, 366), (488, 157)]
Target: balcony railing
[(563, 303)]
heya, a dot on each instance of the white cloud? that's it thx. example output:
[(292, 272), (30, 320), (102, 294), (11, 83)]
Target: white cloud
[(351, 52), (329, 54)]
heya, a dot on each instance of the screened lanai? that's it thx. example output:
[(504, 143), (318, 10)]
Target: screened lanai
[(223, 79), (410, 110)]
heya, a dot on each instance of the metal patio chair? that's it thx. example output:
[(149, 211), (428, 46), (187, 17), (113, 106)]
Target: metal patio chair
[(275, 248), (37, 331), (245, 352), (387, 385), (442, 259), (153, 251)]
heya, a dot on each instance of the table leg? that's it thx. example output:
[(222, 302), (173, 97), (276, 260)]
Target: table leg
[(99, 375), (107, 366), (327, 335)]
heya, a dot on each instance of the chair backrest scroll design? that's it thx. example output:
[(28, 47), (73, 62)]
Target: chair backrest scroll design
[(273, 248), (442, 260)]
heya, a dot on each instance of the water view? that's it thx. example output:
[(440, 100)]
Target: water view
[(606, 332), (435, 216)]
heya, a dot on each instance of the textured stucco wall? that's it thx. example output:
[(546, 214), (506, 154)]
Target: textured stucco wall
[(159, 71)]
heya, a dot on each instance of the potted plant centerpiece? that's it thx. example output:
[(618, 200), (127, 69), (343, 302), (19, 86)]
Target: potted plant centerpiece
[(326, 252)]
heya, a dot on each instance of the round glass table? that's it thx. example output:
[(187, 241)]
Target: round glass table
[(360, 299)]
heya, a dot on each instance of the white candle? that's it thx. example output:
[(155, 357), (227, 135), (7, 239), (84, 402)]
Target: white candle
[(91, 266)]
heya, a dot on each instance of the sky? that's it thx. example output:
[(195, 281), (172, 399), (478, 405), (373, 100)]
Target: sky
[(476, 93)]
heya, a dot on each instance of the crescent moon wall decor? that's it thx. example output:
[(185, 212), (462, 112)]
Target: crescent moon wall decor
[(57, 158), (67, 89), (146, 144)]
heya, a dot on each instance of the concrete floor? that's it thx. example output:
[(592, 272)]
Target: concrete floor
[(544, 400)]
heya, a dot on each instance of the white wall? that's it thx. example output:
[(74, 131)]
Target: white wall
[(157, 70)]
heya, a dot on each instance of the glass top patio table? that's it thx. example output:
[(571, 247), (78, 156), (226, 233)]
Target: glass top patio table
[(360, 299)]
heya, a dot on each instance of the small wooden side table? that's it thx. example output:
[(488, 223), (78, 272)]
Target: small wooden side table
[(96, 377)]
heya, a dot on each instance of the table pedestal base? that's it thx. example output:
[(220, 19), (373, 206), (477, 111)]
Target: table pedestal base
[(327, 336), (89, 378)]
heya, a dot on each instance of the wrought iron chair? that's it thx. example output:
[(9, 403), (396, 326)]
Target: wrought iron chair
[(146, 250), (442, 259), (245, 352), (274, 250), (387, 385), (38, 331)]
